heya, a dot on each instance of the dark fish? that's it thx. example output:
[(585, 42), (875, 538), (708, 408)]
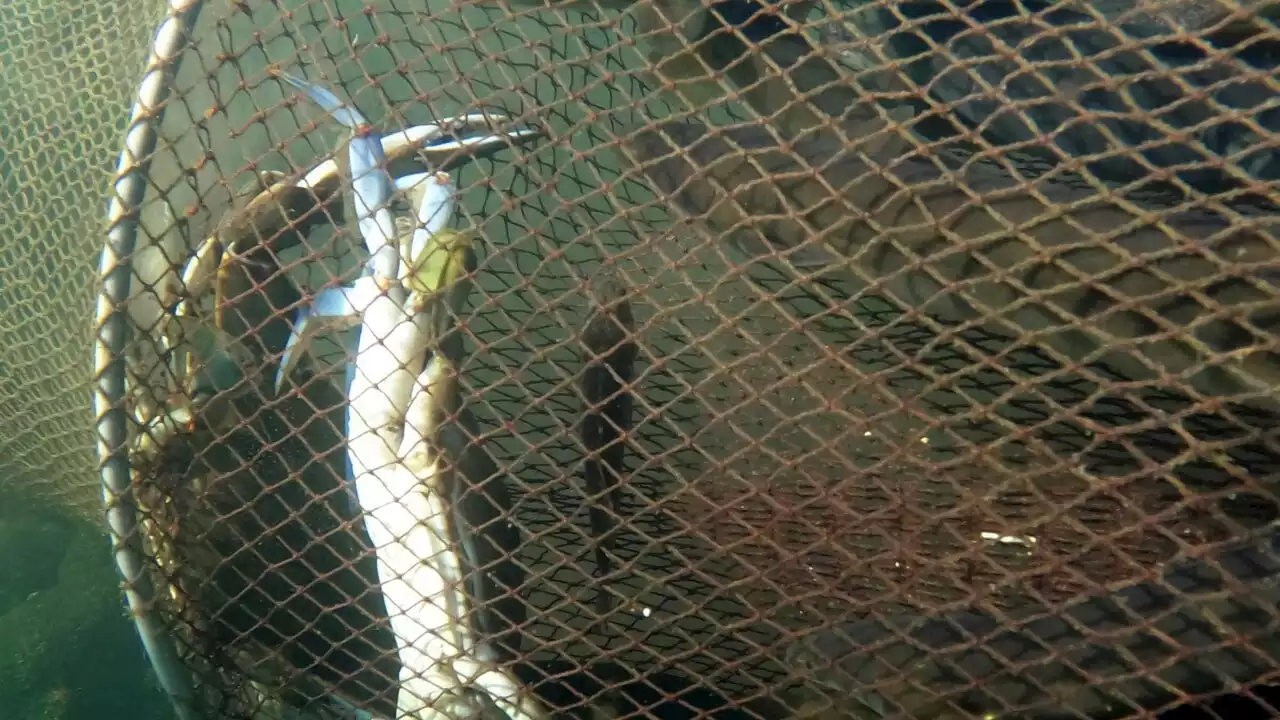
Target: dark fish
[(608, 362), (482, 505)]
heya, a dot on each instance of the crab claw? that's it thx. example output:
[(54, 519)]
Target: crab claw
[(440, 265), (369, 179), (332, 309), (325, 98), (436, 205), (200, 271), (465, 136)]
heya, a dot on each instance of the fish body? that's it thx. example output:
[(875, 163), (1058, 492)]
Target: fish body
[(608, 372)]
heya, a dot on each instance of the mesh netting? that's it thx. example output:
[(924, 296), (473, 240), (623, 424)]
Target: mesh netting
[(953, 325), (70, 73)]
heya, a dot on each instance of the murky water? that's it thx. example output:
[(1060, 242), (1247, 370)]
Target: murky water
[(70, 651)]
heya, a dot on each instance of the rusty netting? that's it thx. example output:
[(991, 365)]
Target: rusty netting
[(69, 73), (813, 359)]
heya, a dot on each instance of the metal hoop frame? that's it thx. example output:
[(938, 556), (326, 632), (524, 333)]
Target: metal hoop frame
[(113, 328)]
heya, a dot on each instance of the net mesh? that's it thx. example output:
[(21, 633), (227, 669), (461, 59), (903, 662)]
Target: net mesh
[(954, 327), (70, 75)]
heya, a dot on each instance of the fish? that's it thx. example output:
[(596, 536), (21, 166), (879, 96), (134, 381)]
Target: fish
[(608, 373)]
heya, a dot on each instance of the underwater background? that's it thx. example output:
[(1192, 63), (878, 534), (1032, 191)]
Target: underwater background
[(68, 650)]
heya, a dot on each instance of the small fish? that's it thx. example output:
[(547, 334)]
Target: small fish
[(608, 371)]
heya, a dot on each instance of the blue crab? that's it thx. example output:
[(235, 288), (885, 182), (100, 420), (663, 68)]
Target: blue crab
[(425, 268), (415, 282), (249, 341)]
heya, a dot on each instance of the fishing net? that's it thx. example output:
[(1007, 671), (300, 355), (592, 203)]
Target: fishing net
[(906, 359), (70, 75)]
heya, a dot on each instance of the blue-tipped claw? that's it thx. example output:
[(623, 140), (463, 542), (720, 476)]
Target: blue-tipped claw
[(435, 209), (332, 309), (370, 182), (325, 98)]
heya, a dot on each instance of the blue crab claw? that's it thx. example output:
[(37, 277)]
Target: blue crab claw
[(436, 205), (332, 309), (329, 102), (370, 182), (462, 138)]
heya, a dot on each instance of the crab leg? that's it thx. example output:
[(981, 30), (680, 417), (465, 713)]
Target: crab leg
[(370, 182), (340, 306), (332, 309), (426, 141), (428, 137), (435, 211)]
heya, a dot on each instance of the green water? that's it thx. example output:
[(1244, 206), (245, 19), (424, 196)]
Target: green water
[(69, 650)]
